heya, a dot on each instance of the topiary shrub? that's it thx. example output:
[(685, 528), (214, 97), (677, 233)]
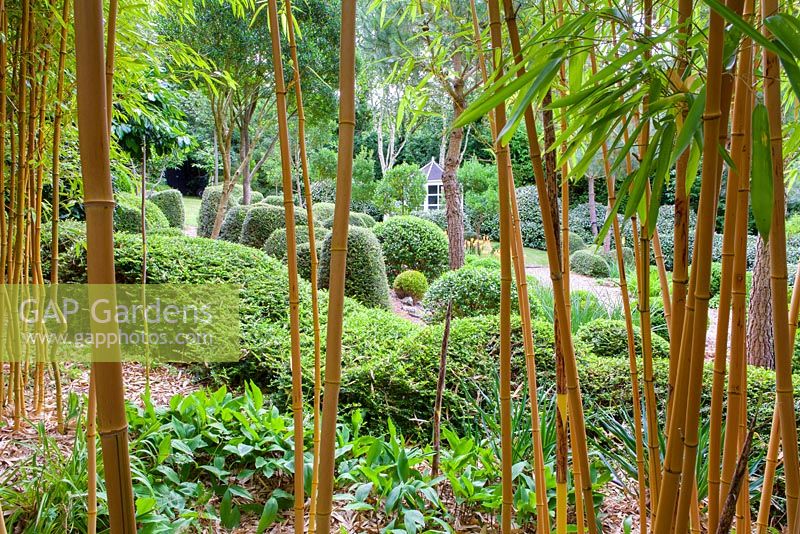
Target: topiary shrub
[(366, 220), (356, 219), (208, 208), (611, 256), (366, 272), (439, 218), (128, 215), (273, 200), (168, 231), (608, 338), (587, 263), (170, 202), (323, 210), (576, 242), (275, 245), (256, 197), (413, 243), (304, 259), (474, 291), (231, 229), (262, 219), (410, 284)]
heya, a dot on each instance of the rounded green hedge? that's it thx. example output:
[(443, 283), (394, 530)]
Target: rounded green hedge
[(361, 220), (410, 284), (587, 263), (323, 210), (474, 291), (231, 229), (576, 242), (275, 246), (208, 207), (366, 272), (171, 203), (439, 218), (128, 215), (273, 200), (608, 338), (611, 256), (264, 219), (256, 197), (413, 243)]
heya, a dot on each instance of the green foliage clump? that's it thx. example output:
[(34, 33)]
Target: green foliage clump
[(323, 191), (530, 216), (576, 242), (275, 245), (208, 208), (490, 262), (323, 210), (473, 291), (611, 256), (413, 243), (716, 278), (410, 284), (256, 197), (273, 200), (481, 201), (231, 229), (608, 338), (171, 203), (439, 218), (366, 272), (401, 191), (262, 220), (587, 263), (128, 215), (580, 221)]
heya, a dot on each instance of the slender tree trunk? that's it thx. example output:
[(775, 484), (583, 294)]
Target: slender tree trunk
[(437, 407), (592, 206), (760, 349), (244, 153), (452, 191)]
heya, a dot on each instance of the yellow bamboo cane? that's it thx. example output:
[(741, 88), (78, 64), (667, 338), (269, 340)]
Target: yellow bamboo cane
[(99, 205), (301, 139), (291, 251), (778, 280), (333, 353)]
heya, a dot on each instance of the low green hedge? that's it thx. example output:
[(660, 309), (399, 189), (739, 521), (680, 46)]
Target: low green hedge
[(413, 243), (128, 215), (171, 203), (366, 272)]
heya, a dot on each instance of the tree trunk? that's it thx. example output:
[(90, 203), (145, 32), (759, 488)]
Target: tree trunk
[(245, 154), (452, 191), (759, 325), (592, 205)]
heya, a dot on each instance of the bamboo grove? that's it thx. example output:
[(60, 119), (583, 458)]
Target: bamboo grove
[(696, 94)]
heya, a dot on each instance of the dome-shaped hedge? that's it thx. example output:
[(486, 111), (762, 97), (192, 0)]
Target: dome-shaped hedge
[(275, 245), (128, 215), (170, 202), (587, 263), (356, 219), (366, 273), (576, 242), (273, 200), (208, 207), (474, 291), (256, 197), (608, 338), (439, 218), (413, 243), (323, 210), (231, 229), (410, 284), (262, 220)]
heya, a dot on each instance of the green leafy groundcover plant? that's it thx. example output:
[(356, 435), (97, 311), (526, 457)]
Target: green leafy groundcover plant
[(410, 284), (587, 263), (128, 214), (608, 338), (171, 203), (413, 243), (366, 272)]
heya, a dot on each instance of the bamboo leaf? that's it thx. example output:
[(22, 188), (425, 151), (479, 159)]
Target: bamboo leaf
[(642, 177), (662, 171), (761, 191), (786, 29), (743, 26), (623, 192), (691, 124)]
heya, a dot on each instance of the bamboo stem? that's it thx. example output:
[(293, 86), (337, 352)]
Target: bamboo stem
[(99, 203), (333, 360)]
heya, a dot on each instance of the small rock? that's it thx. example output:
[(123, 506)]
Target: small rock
[(417, 312), (408, 301)]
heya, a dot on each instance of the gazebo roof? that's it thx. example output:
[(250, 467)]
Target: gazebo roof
[(432, 171)]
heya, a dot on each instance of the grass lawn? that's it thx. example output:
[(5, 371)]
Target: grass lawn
[(533, 257), (191, 206)]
